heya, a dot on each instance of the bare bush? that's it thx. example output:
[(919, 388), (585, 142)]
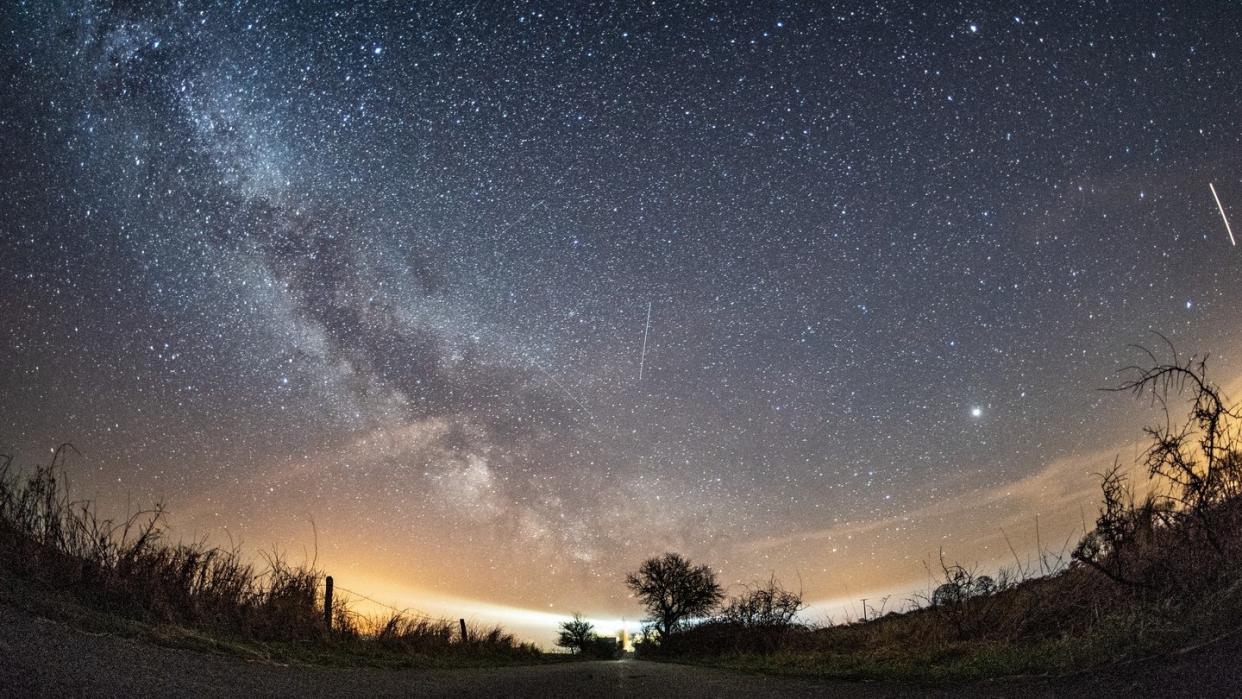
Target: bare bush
[(575, 634), (766, 606), (1171, 539)]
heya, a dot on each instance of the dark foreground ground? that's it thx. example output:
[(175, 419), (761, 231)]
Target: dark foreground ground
[(46, 658)]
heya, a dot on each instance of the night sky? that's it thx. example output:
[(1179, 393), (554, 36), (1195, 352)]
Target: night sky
[(389, 268)]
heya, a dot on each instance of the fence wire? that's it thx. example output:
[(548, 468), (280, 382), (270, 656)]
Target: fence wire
[(410, 612)]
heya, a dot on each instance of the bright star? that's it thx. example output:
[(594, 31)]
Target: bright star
[(976, 411)]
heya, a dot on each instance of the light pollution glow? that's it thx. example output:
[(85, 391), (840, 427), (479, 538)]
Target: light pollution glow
[(506, 299)]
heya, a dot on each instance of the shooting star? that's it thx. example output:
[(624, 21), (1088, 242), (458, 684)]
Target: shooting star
[(642, 359), (1228, 229), (566, 390), (505, 228)]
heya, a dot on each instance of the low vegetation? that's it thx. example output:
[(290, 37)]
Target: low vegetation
[(1156, 573), (579, 638), (1159, 570), (59, 557)]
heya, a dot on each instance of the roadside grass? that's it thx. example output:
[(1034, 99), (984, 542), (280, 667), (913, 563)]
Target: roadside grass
[(1159, 573), (1122, 636), (947, 664), (1072, 621), (363, 651), (61, 560), (61, 607)]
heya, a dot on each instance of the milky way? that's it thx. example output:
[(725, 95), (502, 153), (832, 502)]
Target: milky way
[(390, 268)]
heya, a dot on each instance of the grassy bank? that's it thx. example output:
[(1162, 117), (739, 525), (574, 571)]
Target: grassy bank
[(891, 649), (1159, 572), (60, 559)]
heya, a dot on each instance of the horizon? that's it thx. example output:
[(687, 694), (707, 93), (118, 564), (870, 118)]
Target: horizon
[(484, 306)]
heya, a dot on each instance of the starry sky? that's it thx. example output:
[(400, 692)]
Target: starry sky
[(505, 297)]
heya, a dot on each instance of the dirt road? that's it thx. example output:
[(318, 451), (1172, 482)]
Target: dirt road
[(45, 658)]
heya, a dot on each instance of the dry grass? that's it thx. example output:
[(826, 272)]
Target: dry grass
[(1155, 573), (54, 544), (1075, 618)]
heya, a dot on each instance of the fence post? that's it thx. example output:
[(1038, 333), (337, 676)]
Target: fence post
[(327, 603), (464, 636)]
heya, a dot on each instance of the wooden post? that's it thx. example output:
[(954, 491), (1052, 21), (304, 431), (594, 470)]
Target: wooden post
[(465, 637), (327, 603)]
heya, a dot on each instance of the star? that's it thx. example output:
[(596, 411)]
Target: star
[(501, 291)]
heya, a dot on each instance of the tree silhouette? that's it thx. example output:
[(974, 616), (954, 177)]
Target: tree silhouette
[(1195, 464), (768, 606), (673, 590), (1198, 456), (576, 634)]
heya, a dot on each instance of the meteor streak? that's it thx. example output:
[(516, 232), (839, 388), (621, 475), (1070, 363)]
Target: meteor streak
[(1228, 229), (642, 359), (566, 390)]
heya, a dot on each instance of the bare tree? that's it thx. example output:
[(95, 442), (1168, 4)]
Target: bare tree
[(1197, 457), (1195, 464), (764, 606), (673, 591), (576, 634)]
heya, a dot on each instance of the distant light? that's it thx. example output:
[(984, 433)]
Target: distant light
[(378, 50), (976, 411), (974, 29)]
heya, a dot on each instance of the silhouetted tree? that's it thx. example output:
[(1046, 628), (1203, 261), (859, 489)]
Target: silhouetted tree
[(576, 634), (673, 590), (1195, 465), (1198, 457), (767, 606)]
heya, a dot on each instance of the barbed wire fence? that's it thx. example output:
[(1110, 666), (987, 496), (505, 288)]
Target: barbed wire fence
[(334, 605)]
